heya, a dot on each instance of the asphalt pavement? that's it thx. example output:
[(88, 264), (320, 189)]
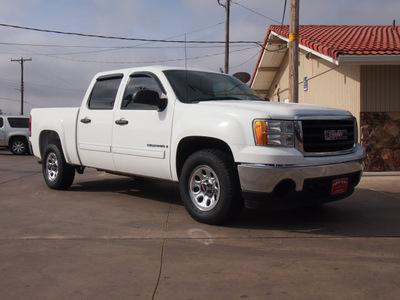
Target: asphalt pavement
[(111, 237)]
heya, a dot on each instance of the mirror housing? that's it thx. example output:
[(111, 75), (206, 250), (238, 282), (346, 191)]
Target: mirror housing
[(150, 97)]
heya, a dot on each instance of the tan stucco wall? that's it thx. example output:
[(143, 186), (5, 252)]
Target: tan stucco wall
[(279, 90), (328, 84)]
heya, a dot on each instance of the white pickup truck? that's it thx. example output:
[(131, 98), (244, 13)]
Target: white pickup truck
[(224, 144)]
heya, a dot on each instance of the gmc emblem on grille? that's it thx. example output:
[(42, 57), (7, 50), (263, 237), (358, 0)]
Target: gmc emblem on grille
[(335, 135)]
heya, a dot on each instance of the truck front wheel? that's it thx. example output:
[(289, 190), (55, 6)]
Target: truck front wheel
[(210, 187), (57, 174)]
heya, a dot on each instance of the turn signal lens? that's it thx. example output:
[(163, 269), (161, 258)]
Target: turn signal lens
[(274, 132), (260, 131)]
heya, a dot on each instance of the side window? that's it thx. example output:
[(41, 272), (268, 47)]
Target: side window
[(1, 122), (18, 122), (104, 92), (136, 83)]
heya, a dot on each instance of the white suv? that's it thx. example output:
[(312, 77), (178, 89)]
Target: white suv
[(14, 134)]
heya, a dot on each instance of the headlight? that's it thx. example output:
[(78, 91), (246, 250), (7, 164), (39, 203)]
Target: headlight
[(273, 132)]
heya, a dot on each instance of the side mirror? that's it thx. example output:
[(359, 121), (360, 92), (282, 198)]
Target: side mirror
[(150, 97)]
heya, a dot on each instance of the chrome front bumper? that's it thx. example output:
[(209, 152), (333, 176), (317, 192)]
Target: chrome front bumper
[(260, 178)]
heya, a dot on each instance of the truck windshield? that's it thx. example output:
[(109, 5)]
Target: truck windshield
[(195, 86)]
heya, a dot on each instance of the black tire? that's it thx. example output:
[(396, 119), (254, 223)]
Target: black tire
[(210, 188), (57, 174), (19, 146)]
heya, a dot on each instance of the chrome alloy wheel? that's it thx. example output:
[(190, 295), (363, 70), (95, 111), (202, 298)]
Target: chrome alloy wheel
[(52, 167), (204, 188)]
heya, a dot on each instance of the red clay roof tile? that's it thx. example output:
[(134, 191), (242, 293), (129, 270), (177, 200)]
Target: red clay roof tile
[(335, 40)]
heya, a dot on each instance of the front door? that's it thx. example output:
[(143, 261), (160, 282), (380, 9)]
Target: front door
[(141, 134)]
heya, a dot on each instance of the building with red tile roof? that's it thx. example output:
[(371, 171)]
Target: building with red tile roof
[(337, 41), (356, 68)]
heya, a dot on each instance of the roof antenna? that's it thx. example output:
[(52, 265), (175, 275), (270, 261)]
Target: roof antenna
[(394, 25), (185, 53)]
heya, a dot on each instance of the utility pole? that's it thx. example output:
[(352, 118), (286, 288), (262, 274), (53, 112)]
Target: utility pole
[(294, 51), (227, 9), (21, 61)]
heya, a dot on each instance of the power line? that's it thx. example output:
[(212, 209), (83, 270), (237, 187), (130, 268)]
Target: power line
[(205, 28), (8, 80), (8, 99), (15, 100), (133, 47), (245, 62), (256, 12), (52, 87), (107, 48), (284, 12), (52, 45), (122, 38), (114, 47), (143, 62)]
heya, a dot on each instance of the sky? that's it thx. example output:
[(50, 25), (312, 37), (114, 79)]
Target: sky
[(62, 65)]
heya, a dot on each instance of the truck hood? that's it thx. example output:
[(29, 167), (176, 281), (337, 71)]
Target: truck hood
[(272, 110)]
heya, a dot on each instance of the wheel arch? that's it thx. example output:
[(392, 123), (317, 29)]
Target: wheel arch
[(48, 137), (16, 137), (188, 145)]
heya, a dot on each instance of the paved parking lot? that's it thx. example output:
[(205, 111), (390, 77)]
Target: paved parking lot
[(113, 237)]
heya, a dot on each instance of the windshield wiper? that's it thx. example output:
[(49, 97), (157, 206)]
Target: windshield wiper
[(215, 99), (227, 98)]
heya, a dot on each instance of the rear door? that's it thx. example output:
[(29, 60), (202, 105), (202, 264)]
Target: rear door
[(141, 134), (95, 123)]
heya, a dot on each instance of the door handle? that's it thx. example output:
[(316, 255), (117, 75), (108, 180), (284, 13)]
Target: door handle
[(121, 122), (86, 120)]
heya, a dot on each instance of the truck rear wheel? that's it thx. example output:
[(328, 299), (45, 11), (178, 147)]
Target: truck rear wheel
[(210, 187), (57, 174)]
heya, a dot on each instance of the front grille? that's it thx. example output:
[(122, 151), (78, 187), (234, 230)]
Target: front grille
[(323, 136)]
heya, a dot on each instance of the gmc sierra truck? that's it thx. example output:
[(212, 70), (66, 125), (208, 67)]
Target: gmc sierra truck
[(225, 145)]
